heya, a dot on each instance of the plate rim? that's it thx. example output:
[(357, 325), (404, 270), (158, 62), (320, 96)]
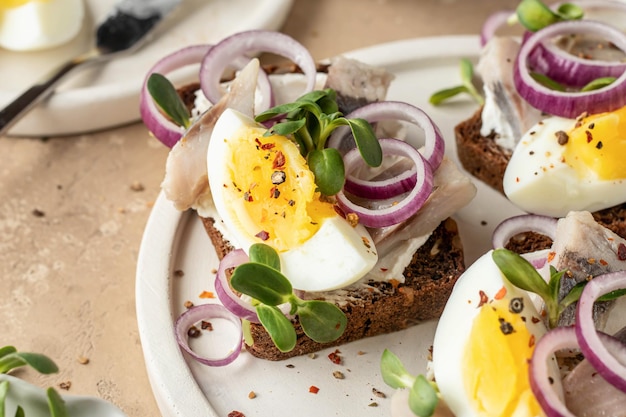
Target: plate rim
[(148, 292)]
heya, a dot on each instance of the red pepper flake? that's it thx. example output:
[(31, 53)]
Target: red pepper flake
[(207, 294), (500, 294), (274, 192), (621, 252), (384, 269), (206, 325), (483, 298), (603, 262), (279, 161), (589, 136), (236, 413), (247, 197), (531, 341), (265, 146), (535, 320), (551, 256), (313, 389), (335, 357), (263, 235), (339, 211)]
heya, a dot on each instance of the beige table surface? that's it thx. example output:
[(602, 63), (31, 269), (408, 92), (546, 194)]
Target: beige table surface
[(73, 210)]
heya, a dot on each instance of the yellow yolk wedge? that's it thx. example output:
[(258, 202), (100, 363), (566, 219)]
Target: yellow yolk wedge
[(484, 339), (264, 192), (496, 363), (597, 145), (29, 25)]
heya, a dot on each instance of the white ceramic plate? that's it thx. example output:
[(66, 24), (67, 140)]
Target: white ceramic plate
[(176, 241), (108, 95)]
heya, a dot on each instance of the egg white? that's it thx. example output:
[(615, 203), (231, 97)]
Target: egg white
[(455, 325), (538, 181), (334, 257), (40, 24)]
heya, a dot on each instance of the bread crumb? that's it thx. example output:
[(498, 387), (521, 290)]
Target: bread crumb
[(65, 385), (339, 375), (38, 213), (179, 273), (252, 395), (378, 393), (188, 304), (312, 355), (83, 360), (373, 404), (137, 186)]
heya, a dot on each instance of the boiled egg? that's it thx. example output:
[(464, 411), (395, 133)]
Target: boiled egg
[(264, 193), (563, 165), (482, 345), (28, 25)]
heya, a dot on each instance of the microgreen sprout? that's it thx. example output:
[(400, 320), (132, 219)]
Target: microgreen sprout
[(262, 280), (309, 121), (423, 396), (467, 86), (521, 273), (11, 359), (535, 15), (167, 98)]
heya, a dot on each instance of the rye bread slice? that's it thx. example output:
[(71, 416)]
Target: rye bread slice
[(382, 307), (484, 159)]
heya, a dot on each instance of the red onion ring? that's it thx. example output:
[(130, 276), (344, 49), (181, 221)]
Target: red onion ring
[(204, 312), (434, 145), (492, 24), (379, 189), (553, 341), (224, 52), (520, 224), (405, 208), (569, 104), (589, 339), (160, 126), (225, 294)]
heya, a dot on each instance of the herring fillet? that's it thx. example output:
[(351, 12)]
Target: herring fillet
[(186, 179), (585, 249)]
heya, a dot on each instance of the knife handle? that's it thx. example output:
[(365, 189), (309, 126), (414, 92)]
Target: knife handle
[(16, 109)]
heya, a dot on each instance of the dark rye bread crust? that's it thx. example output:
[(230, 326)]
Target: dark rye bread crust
[(385, 307), (485, 160)]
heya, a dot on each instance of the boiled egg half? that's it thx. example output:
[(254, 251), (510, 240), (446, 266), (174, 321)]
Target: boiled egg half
[(563, 165), (264, 193), (28, 25), (483, 342)]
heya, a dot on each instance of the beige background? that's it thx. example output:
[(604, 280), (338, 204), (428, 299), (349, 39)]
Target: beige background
[(73, 209)]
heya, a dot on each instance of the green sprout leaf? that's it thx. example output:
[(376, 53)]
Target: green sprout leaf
[(598, 83), (167, 98), (467, 86), (4, 390), (56, 404), (261, 282), (278, 326), (423, 397), (13, 359), (6, 350), (547, 81), (393, 371), (309, 122), (19, 412), (321, 321), (264, 254), (521, 273), (327, 166), (535, 15)]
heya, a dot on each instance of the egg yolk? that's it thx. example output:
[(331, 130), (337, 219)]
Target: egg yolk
[(597, 144), (496, 362), (277, 189)]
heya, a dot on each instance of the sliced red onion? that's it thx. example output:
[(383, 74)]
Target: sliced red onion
[(399, 210), (378, 189), (520, 224), (596, 352), (492, 24), (570, 104), (539, 375), (227, 297), (434, 145), (254, 41), (207, 312), (160, 126)]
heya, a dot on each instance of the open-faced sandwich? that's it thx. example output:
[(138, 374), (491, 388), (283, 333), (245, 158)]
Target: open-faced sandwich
[(528, 334), (327, 229), (550, 133)]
